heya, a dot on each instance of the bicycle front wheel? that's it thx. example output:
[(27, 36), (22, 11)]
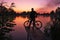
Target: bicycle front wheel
[(38, 24)]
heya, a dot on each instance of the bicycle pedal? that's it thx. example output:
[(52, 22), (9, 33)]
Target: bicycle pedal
[(28, 27), (37, 28)]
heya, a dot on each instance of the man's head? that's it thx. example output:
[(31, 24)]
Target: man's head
[(32, 9)]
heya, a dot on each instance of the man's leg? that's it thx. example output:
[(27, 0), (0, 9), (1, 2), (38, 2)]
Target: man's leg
[(30, 23), (33, 23)]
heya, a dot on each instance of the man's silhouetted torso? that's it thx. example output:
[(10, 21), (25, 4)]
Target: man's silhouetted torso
[(32, 17)]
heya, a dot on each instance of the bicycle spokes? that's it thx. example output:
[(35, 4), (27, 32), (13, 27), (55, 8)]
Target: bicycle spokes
[(37, 24)]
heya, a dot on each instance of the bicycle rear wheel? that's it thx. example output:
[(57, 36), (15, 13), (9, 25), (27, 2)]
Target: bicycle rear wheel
[(26, 23)]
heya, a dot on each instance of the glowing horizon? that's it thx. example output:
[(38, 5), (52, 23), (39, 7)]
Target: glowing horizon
[(26, 5)]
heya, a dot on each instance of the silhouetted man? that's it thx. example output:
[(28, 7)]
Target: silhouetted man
[(32, 17)]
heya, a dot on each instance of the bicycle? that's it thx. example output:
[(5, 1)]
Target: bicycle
[(38, 24)]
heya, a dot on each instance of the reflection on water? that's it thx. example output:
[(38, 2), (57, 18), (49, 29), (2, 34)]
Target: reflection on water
[(20, 32)]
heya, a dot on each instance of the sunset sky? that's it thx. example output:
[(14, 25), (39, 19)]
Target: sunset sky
[(38, 5)]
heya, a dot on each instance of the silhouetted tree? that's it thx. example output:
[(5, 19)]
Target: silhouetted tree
[(55, 27), (6, 22), (6, 26)]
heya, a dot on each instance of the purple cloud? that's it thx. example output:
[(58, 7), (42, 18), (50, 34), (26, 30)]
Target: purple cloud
[(53, 3)]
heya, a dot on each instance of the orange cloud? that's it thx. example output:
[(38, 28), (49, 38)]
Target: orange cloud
[(45, 10)]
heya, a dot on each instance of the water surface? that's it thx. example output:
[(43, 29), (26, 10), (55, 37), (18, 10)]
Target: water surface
[(20, 32)]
